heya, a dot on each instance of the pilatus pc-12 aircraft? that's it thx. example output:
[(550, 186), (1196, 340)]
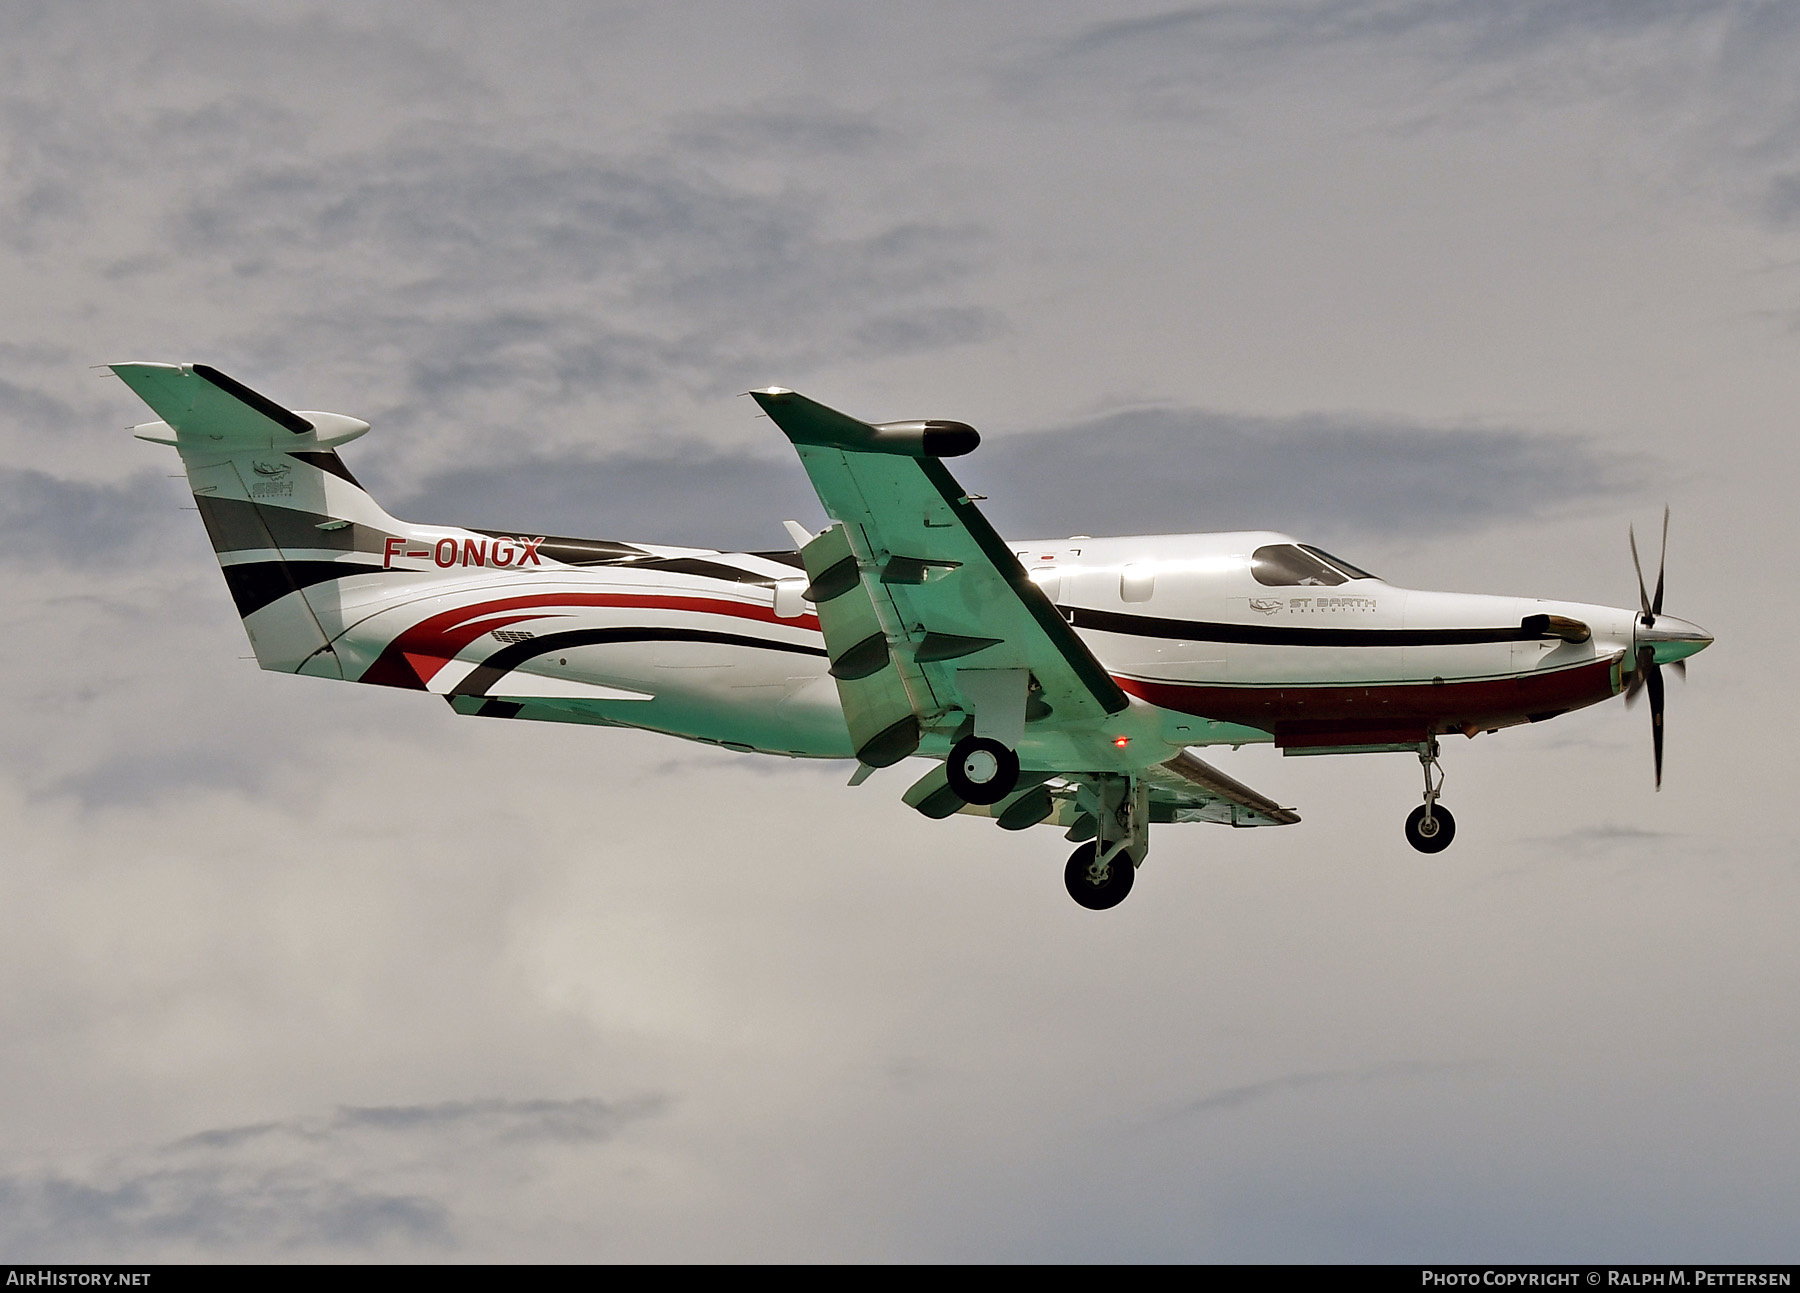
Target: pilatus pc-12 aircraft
[(1053, 682)]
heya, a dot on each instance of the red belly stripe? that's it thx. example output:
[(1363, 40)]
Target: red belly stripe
[(1391, 713), (414, 658)]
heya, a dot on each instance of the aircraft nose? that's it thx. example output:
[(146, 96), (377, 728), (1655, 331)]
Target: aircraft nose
[(1670, 639)]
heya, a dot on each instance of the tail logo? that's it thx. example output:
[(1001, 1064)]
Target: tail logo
[(275, 482)]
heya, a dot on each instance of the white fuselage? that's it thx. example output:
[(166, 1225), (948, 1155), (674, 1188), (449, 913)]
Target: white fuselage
[(1210, 642)]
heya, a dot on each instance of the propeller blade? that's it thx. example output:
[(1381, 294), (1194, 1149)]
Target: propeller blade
[(1643, 596), (1646, 674), (1661, 563), (1656, 718)]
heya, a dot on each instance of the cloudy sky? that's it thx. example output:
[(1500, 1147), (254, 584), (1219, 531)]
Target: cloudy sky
[(1461, 290)]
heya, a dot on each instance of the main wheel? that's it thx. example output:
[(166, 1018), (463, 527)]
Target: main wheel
[(982, 770), (1109, 892), (1434, 835)]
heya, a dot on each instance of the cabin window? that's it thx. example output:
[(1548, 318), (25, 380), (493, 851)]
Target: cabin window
[(1137, 582)]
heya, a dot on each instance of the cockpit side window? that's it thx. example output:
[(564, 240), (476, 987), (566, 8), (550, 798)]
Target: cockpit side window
[(1339, 562), (1287, 565)]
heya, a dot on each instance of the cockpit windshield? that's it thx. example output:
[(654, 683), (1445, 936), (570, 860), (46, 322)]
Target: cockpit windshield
[(1339, 562), (1287, 565)]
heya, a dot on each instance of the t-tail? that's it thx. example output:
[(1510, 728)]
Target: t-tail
[(305, 550)]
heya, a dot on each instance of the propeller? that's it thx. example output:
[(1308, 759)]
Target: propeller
[(1647, 675)]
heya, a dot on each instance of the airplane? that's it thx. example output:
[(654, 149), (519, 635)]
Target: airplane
[(1061, 682)]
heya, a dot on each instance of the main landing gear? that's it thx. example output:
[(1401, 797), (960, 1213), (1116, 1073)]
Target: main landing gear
[(1430, 827), (1114, 812), (982, 770), (1094, 886), (1100, 872)]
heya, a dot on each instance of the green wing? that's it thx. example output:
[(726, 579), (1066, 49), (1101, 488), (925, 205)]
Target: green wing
[(928, 616), (941, 605)]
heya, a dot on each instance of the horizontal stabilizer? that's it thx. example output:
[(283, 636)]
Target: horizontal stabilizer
[(201, 405), (531, 686)]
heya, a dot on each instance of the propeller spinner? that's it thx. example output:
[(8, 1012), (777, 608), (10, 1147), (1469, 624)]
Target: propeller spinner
[(1657, 640)]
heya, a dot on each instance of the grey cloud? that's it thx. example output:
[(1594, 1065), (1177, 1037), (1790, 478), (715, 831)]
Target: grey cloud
[(47, 518), (1321, 476), (138, 776), (1782, 202), (1468, 26), (361, 1180), (54, 1217), (1604, 838), (1251, 1093), (566, 1121), (227, 1137), (439, 216), (560, 274), (577, 1120), (162, 93), (1713, 77), (1142, 472), (471, 280), (733, 502), (1239, 1097), (44, 353), (928, 329), (34, 409), (808, 126)]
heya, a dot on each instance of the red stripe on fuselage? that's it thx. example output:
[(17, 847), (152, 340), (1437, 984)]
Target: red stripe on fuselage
[(414, 658), (1388, 713)]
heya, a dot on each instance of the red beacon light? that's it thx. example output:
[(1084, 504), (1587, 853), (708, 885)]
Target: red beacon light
[(1121, 741)]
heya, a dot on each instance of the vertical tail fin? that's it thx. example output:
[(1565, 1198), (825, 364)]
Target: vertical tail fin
[(286, 518)]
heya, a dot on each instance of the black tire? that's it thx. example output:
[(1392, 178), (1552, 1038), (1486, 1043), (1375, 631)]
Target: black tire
[(1439, 837), (1109, 892), (982, 770)]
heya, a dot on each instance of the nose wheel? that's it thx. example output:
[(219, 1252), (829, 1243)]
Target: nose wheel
[(981, 770), (1430, 827), (1430, 830)]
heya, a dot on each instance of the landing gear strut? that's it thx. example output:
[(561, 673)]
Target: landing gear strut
[(1100, 872), (982, 770), (1430, 827)]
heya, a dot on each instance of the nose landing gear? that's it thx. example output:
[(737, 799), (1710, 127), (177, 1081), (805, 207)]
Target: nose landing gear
[(1430, 827)]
